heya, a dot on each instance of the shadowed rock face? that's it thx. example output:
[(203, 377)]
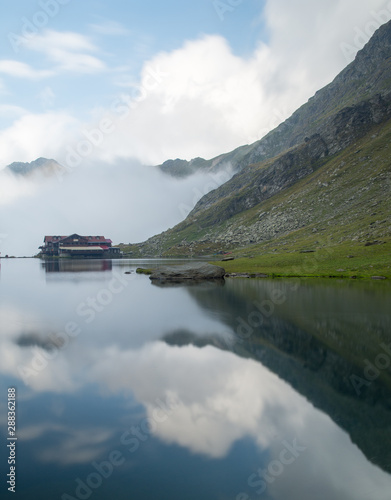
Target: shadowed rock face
[(255, 185), (188, 272)]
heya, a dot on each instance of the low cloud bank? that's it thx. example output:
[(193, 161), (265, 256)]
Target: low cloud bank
[(127, 202)]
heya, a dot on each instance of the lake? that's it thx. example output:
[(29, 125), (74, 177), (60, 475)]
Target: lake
[(269, 389)]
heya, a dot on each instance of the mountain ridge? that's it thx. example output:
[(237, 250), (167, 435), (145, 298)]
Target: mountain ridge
[(326, 101), (336, 118), (44, 165)]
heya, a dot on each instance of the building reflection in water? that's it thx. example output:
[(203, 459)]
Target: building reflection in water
[(76, 265)]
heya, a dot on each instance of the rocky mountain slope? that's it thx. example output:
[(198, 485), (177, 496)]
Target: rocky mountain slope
[(325, 166)]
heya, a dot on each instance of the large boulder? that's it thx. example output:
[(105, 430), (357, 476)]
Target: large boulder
[(197, 271)]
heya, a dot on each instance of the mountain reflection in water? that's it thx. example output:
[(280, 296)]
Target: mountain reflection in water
[(193, 391)]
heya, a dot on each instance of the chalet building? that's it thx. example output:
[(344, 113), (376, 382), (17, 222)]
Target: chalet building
[(79, 246)]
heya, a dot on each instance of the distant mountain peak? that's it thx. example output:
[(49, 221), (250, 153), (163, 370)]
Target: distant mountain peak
[(43, 165)]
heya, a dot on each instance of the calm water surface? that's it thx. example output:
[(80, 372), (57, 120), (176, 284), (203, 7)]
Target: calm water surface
[(269, 389)]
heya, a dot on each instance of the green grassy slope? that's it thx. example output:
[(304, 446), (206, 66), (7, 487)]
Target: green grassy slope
[(344, 206)]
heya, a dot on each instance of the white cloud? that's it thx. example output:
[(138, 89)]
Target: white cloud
[(206, 100), (35, 135), (78, 63), (22, 70), (67, 51), (198, 100), (65, 40), (307, 36)]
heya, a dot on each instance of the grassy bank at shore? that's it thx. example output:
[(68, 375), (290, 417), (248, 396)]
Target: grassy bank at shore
[(342, 261)]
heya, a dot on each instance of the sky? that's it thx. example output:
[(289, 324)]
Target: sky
[(119, 84)]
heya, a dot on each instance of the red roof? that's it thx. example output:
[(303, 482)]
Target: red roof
[(95, 239), (50, 239), (100, 239)]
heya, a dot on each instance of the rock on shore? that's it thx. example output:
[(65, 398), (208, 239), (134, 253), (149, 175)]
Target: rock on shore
[(198, 271)]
